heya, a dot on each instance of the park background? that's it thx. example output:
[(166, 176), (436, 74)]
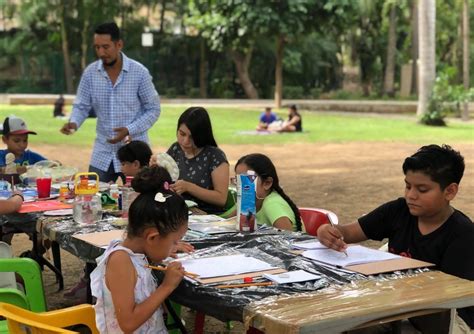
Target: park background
[(312, 53)]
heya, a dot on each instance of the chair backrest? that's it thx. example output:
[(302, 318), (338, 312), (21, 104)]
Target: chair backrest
[(7, 279), (30, 272), (230, 204), (23, 321), (313, 218)]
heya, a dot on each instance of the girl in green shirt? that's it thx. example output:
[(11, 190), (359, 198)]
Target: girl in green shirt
[(274, 207)]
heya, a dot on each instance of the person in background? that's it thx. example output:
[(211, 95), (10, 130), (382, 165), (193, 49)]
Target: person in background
[(294, 122), (157, 221), (266, 118), (59, 107), (274, 207), (203, 167), (15, 137), (122, 94), (423, 225), (133, 157)]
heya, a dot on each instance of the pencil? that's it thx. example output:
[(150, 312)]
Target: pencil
[(187, 273), (243, 285), (334, 225)]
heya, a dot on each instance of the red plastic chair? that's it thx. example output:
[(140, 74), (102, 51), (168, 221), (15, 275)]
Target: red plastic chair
[(313, 218)]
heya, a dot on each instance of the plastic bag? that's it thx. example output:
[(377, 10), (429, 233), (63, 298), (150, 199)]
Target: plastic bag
[(51, 168)]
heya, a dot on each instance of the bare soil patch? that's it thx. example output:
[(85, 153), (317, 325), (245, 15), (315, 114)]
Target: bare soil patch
[(350, 179)]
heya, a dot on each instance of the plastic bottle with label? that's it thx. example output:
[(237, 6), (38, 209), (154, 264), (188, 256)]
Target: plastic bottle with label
[(115, 194), (128, 196)]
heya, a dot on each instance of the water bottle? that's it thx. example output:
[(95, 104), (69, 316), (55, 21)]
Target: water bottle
[(115, 194), (87, 207), (128, 196)]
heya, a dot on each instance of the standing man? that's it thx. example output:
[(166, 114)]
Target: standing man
[(121, 92)]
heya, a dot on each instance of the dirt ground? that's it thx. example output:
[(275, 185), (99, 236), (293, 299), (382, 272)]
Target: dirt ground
[(350, 179)]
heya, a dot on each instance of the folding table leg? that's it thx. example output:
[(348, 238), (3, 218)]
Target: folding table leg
[(199, 323)]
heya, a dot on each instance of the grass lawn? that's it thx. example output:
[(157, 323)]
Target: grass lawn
[(228, 121)]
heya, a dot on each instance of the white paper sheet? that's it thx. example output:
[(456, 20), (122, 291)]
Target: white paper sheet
[(308, 244), (357, 254), (291, 277), (225, 265), (204, 219)]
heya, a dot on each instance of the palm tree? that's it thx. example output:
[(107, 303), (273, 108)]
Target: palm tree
[(465, 67), (427, 70)]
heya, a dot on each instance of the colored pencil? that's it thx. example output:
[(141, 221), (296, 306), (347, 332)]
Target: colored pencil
[(187, 273), (243, 285)]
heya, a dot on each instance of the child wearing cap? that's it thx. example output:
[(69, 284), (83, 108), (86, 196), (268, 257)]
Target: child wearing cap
[(15, 137)]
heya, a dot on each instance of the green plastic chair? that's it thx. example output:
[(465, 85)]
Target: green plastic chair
[(230, 204), (33, 298)]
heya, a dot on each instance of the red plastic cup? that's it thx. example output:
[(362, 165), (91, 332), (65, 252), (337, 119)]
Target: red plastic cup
[(43, 185)]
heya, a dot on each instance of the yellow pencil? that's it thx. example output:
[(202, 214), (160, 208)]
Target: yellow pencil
[(243, 285), (187, 273)]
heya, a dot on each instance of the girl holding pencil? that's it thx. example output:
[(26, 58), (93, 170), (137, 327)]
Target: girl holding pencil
[(128, 299)]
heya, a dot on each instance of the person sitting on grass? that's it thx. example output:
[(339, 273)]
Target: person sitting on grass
[(266, 118), (15, 137), (157, 221), (422, 225), (274, 207), (294, 122)]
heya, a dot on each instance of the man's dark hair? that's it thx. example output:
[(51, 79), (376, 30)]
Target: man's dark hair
[(135, 150), (443, 164), (109, 28)]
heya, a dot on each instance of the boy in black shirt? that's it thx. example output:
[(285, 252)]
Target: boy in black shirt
[(423, 225)]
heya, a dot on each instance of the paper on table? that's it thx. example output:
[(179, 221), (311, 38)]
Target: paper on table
[(225, 265), (212, 228), (357, 254), (308, 244), (205, 219), (291, 277)]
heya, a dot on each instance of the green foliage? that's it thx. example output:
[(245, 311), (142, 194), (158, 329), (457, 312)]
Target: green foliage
[(446, 98)]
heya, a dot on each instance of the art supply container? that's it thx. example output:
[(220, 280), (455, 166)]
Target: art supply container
[(246, 201), (43, 186), (87, 208)]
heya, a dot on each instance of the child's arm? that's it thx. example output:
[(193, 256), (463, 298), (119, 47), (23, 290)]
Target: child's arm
[(339, 236), (11, 205), (283, 223), (130, 315)]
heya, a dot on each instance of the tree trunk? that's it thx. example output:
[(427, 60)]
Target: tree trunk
[(202, 70), (280, 47), (162, 16), (391, 51), (465, 67), (65, 49), (426, 29), (414, 47), (242, 62)]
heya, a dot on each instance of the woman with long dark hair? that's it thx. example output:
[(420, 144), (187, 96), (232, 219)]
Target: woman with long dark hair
[(203, 167)]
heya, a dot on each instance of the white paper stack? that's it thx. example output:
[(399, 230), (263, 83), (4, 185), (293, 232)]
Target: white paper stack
[(291, 277)]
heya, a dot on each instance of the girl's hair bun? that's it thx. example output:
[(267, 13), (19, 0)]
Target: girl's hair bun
[(151, 180)]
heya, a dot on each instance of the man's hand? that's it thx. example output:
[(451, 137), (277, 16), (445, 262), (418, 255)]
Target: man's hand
[(122, 133), (68, 128)]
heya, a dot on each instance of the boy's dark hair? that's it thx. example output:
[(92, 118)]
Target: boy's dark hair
[(264, 167), (145, 211), (199, 124), (443, 164), (109, 28), (135, 150)]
